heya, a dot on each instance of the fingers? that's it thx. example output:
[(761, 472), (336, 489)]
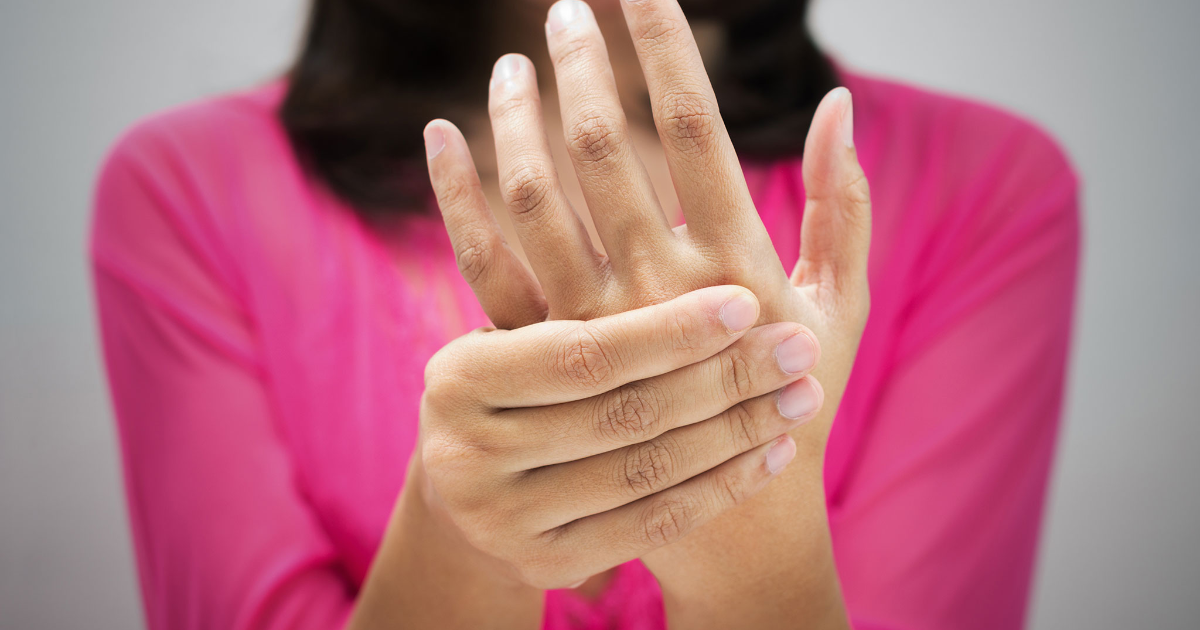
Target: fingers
[(609, 480), (554, 238), (762, 361), (507, 291), (615, 184), (704, 166), (835, 236), (560, 361), (635, 529)]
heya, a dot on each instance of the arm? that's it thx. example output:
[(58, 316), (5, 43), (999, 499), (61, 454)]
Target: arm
[(937, 520), (224, 535)]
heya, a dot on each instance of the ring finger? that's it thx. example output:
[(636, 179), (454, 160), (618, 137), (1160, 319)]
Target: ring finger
[(610, 480)]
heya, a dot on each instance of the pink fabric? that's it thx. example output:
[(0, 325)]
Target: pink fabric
[(265, 351)]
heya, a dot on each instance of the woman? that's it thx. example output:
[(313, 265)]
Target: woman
[(648, 437)]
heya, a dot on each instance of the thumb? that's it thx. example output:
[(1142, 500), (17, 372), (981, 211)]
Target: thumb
[(836, 233)]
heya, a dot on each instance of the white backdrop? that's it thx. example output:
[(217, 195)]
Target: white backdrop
[(1115, 81)]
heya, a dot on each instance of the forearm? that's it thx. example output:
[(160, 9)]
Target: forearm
[(426, 576)]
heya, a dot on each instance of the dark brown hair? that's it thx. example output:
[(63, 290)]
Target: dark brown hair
[(371, 73)]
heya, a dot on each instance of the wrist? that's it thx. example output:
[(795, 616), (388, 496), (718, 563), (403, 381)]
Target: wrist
[(765, 564), (426, 575)]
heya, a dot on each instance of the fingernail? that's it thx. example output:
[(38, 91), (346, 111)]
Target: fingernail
[(507, 68), (847, 102), (435, 141), (739, 313), (563, 13), (781, 454), (797, 353), (798, 400), (578, 584)]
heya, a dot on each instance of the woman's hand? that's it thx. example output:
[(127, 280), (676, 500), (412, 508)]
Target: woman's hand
[(646, 261), (565, 448), (770, 564), (557, 451)]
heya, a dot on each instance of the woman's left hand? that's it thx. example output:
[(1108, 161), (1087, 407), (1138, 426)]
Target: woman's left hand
[(775, 547)]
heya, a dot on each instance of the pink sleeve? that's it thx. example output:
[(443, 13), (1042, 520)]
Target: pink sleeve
[(937, 523), (224, 538)]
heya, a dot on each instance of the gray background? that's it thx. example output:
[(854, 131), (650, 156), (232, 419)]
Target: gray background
[(1115, 81)]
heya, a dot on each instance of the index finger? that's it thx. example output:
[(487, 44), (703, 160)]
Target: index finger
[(561, 361), (704, 166)]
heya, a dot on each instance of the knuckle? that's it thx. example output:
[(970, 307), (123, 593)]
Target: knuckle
[(475, 258), (457, 192), (689, 121), (509, 105), (730, 490), (659, 34), (451, 372), (448, 454), (857, 191), (578, 51), (684, 331), (630, 414), (439, 373), (743, 426), (586, 360), (648, 467), (666, 521), (542, 570), (595, 140), (736, 379), (527, 192)]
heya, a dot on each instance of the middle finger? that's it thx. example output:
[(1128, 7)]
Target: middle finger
[(704, 166), (555, 240), (614, 181)]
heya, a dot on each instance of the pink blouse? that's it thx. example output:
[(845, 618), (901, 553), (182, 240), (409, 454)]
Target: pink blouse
[(265, 351)]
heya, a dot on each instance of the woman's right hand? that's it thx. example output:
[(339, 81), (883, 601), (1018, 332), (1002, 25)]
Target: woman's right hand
[(565, 448)]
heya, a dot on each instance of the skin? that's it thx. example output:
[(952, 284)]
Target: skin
[(543, 442)]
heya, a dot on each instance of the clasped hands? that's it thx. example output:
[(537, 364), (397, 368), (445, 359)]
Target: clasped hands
[(626, 398)]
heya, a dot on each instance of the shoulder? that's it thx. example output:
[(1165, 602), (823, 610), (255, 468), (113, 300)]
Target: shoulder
[(170, 194), (204, 123), (952, 176), (974, 208), (189, 171), (951, 122), (961, 143), (194, 142)]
